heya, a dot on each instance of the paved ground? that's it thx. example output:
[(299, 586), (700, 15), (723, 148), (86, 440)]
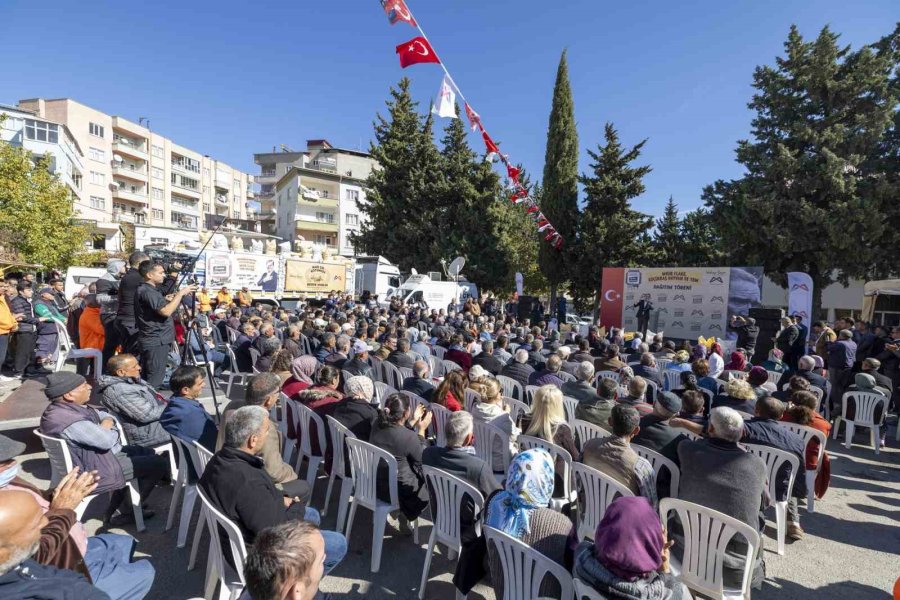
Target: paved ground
[(850, 551)]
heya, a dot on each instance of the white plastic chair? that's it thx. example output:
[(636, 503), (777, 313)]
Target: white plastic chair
[(364, 462), (67, 351), (449, 365), (672, 379), (231, 580), (392, 375), (203, 457), (808, 434), (732, 374), (569, 406), (585, 431), (567, 377), (448, 493), (774, 376), (511, 388), (339, 435), (415, 400), (61, 463), (437, 367), (706, 534), (595, 491), (485, 436), (377, 369), (233, 374), (774, 459), (660, 462), (605, 375), (530, 391), (405, 373), (651, 392), (527, 442), (187, 457), (471, 399), (279, 416), (517, 409), (439, 422), (304, 421), (524, 568), (864, 416), (663, 363), (585, 592), (438, 351), (382, 391)]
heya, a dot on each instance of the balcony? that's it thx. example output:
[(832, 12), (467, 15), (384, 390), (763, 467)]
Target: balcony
[(129, 171), (182, 206), (223, 183), (326, 166), (323, 199), (221, 200), (129, 217), (189, 171), (130, 148), (127, 193), (265, 174), (306, 223), (186, 191)]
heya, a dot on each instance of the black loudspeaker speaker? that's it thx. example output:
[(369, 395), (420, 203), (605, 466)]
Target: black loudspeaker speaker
[(526, 306), (561, 310), (769, 322)]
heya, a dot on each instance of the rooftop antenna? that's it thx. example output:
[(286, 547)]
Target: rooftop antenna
[(142, 120)]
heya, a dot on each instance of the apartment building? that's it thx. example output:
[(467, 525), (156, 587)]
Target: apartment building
[(134, 175), (314, 194)]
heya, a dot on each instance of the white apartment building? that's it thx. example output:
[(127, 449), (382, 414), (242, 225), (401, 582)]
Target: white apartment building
[(134, 175), (314, 194)]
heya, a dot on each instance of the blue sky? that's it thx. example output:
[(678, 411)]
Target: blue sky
[(231, 78)]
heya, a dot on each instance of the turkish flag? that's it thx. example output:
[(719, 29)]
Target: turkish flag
[(612, 287), (415, 51), (397, 10)]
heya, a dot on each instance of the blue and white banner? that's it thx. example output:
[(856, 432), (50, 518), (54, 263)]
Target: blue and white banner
[(800, 296)]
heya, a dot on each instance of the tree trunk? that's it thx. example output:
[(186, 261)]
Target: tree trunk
[(552, 308), (818, 284)]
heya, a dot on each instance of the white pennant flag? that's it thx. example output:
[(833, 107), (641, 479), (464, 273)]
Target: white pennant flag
[(446, 101)]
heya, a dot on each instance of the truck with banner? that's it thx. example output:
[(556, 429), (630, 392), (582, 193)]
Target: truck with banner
[(685, 302)]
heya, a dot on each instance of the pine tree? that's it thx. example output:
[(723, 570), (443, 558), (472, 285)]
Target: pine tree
[(400, 222), (668, 243), (701, 242), (821, 113), (612, 234), (520, 240), (559, 201)]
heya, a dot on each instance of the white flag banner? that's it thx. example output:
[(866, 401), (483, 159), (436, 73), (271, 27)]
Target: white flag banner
[(800, 296), (446, 101)]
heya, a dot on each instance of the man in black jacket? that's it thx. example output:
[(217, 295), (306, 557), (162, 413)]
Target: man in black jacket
[(402, 357), (805, 367), (747, 332), (648, 370), (419, 383), (486, 359), (658, 435), (26, 334), (518, 368), (359, 364), (125, 314), (236, 482)]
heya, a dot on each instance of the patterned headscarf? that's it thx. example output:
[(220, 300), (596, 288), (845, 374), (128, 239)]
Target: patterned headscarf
[(304, 367), (359, 387), (529, 486)]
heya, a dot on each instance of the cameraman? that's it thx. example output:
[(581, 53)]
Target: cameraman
[(155, 325), (108, 297), (125, 315)]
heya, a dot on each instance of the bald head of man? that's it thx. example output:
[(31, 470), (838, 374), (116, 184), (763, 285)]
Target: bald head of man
[(21, 521)]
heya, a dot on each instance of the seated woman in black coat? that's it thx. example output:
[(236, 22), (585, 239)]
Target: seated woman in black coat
[(403, 435)]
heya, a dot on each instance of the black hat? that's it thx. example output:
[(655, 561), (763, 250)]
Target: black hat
[(61, 383), (669, 401)]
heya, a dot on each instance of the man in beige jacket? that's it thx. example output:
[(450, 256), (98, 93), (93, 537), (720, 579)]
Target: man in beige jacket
[(263, 390)]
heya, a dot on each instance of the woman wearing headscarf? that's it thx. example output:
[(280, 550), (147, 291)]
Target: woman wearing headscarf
[(303, 368), (756, 378), (738, 362), (716, 360), (521, 511), (688, 382), (819, 368), (629, 557), (356, 412), (698, 352), (774, 362)]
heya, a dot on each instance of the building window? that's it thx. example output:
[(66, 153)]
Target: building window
[(352, 219), (98, 202), (96, 154), (157, 173), (325, 240), (159, 241), (157, 193), (206, 207), (185, 182), (206, 172), (352, 195), (157, 151), (324, 217), (42, 132), (98, 242), (235, 214), (236, 187), (188, 164), (98, 178), (158, 215), (95, 129)]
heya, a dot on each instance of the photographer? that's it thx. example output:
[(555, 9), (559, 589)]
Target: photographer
[(155, 325), (108, 297), (747, 332), (126, 314)]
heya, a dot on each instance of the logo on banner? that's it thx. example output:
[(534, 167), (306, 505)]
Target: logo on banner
[(661, 298), (677, 324), (678, 297), (633, 277), (717, 299), (716, 279), (679, 312)]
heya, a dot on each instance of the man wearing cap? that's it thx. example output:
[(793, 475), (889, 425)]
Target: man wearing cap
[(747, 333), (359, 364), (93, 440), (658, 435), (105, 560)]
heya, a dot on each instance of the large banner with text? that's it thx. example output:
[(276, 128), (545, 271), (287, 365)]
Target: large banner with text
[(314, 277), (685, 302)]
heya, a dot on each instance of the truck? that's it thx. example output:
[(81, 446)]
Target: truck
[(376, 275)]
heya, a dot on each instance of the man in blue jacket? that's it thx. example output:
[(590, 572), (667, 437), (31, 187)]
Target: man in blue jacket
[(184, 416)]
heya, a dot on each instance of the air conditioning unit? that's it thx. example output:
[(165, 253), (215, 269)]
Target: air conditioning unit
[(434, 275)]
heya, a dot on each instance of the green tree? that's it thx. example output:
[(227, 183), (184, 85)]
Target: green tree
[(701, 242), (821, 116), (668, 243), (400, 193), (559, 201), (36, 213), (612, 234), (520, 240)]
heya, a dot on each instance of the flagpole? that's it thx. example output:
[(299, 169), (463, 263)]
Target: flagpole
[(443, 66)]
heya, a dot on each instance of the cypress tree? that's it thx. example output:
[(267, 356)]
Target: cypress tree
[(668, 243), (559, 201)]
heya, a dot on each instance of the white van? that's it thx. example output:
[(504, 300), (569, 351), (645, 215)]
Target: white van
[(435, 294), (79, 277)]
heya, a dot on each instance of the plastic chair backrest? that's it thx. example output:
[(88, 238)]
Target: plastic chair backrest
[(437, 367), (774, 376), (215, 520), (524, 568), (517, 408), (364, 462), (605, 375), (438, 351), (254, 356), (659, 462), (672, 379), (774, 459), (596, 491), (663, 363), (65, 343), (439, 422), (485, 434), (392, 375), (732, 374), (706, 534), (527, 442), (415, 400), (304, 420), (585, 592), (339, 435), (567, 377), (511, 388), (585, 431), (865, 407), (449, 365), (569, 406), (651, 391), (405, 373), (471, 399), (187, 454), (203, 456), (808, 434), (382, 391), (530, 391), (376, 367), (59, 455), (449, 491)]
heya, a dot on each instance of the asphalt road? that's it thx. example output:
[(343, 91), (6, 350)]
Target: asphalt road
[(851, 549)]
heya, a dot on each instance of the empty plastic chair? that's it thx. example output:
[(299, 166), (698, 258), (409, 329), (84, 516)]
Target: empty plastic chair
[(864, 416), (218, 570), (660, 462), (585, 431), (808, 434), (339, 436)]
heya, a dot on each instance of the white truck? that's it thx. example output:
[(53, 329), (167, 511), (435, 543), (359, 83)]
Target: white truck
[(435, 294), (376, 275)]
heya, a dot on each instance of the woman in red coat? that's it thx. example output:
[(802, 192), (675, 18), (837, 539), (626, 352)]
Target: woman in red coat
[(451, 391)]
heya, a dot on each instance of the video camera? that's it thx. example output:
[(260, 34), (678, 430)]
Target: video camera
[(174, 262)]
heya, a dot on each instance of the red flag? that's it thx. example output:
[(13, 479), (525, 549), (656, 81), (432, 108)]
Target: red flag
[(558, 243), (397, 10), (474, 118), (490, 146), (415, 51), (532, 209), (519, 195), (513, 173)]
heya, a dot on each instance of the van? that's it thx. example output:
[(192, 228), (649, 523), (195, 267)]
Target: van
[(79, 277), (435, 295)]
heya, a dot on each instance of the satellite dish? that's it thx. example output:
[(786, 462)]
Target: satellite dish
[(414, 272), (456, 266), (118, 158)]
